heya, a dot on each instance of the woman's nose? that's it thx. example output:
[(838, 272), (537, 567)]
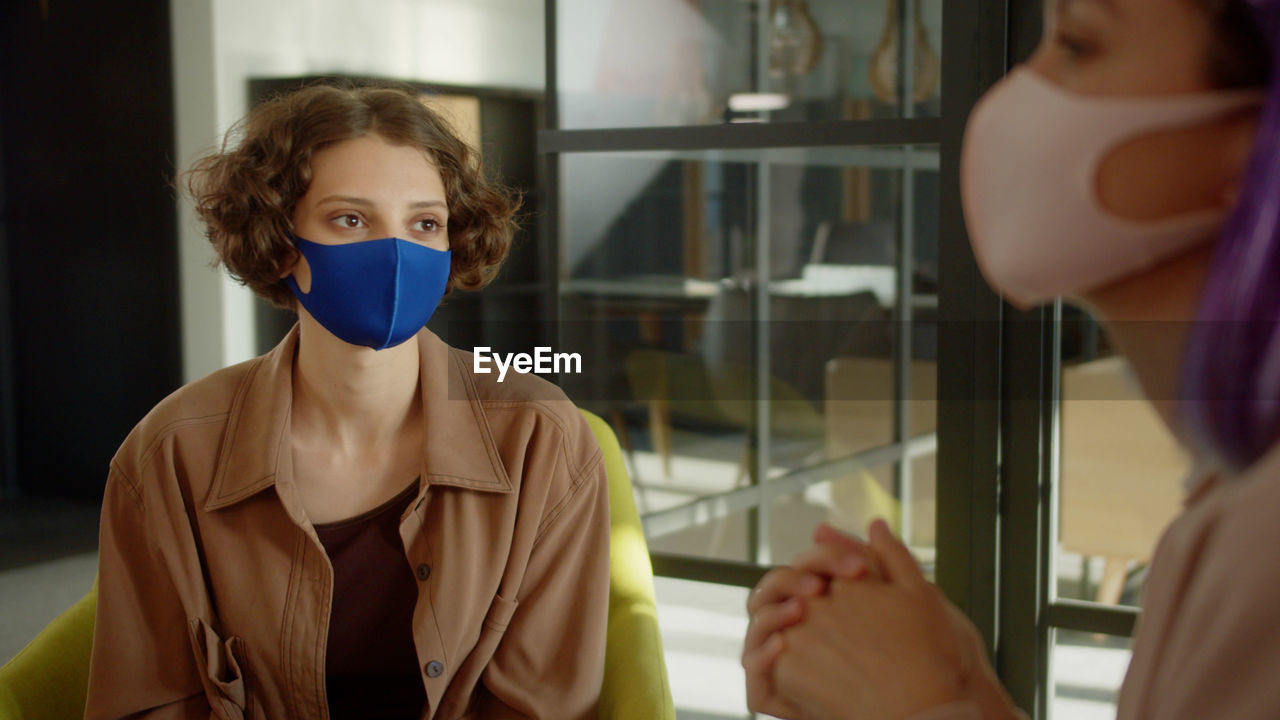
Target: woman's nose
[(381, 229)]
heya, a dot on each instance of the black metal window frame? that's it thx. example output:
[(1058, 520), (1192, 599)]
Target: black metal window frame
[(1029, 450), (998, 368), (902, 132)]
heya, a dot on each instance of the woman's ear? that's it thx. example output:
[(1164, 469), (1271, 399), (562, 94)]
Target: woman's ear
[(289, 265), (296, 265)]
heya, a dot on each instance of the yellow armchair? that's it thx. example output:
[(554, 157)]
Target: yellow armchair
[(635, 673), (48, 679)]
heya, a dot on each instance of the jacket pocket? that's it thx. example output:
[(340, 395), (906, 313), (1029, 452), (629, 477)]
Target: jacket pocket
[(222, 670)]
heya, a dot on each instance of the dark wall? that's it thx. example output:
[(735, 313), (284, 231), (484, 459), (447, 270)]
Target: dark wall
[(8, 468), (89, 232)]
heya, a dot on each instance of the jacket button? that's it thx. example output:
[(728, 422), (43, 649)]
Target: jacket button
[(434, 668), (423, 571)]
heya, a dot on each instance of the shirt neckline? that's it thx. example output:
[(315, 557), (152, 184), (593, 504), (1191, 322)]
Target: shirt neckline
[(402, 497)]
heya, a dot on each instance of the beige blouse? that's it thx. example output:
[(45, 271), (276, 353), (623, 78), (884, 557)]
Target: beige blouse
[(1208, 641)]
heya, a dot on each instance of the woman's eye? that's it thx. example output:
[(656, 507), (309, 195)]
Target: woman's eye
[(348, 221), (428, 225)]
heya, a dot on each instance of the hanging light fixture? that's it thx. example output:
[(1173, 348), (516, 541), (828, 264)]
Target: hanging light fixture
[(883, 70), (795, 44)]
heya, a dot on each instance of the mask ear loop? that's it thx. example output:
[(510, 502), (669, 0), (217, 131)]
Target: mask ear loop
[(1204, 220), (299, 258), (290, 278)]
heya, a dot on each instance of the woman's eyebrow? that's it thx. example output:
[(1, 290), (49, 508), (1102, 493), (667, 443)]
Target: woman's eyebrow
[(352, 200), (345, 199)]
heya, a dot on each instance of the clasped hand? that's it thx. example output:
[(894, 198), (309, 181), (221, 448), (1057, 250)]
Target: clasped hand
[(854, 630)]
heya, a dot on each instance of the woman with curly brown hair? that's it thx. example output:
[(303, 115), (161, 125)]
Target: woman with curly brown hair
[(354, 524)]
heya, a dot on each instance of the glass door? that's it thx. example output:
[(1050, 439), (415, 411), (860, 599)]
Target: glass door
[(760, 256)]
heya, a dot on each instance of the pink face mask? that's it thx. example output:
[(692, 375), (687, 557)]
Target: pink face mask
[(1028, 177)]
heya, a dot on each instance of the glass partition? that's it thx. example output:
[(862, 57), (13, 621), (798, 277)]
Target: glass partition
[(1120, 471), (676, 62), (751, 230), (742, 316)]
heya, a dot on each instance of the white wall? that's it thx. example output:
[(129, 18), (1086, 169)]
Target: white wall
[(200, 286), (219, 44)]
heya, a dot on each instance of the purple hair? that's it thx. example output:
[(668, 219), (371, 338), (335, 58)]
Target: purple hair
[(1231, 374)]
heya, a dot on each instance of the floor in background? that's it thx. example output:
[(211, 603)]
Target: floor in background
[(48, 558), (702, 629), (33, 595)]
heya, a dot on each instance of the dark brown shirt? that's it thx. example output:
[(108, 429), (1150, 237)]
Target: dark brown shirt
[(371, 667)]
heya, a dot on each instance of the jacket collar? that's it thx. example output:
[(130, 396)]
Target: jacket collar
[(458, 448)]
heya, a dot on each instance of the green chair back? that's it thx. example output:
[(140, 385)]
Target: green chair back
[(49, 678), (635, 674)]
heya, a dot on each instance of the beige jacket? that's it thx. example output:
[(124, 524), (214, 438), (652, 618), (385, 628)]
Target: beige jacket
[(214, 591)]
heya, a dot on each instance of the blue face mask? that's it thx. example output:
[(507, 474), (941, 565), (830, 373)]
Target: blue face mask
[(376, 293)]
